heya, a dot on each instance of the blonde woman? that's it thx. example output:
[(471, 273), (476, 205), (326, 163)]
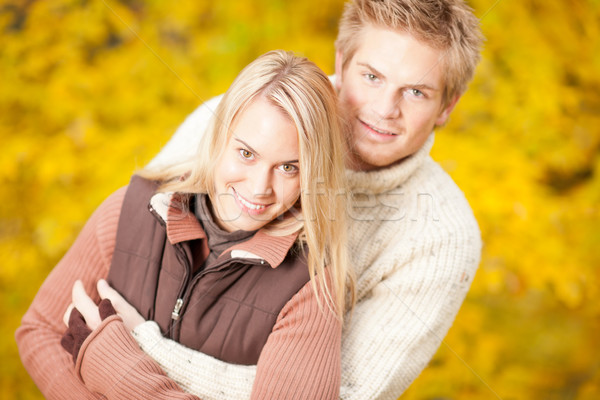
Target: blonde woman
[(238, 254)]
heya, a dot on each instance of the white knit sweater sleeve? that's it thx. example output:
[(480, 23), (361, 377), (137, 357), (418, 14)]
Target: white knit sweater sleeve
[(413, 276), (196, 372), (184, 143)]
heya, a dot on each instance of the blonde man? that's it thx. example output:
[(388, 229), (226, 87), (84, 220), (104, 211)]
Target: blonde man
[(401, 67)]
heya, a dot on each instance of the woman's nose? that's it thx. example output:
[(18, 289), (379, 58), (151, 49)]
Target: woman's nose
[(262, 184)]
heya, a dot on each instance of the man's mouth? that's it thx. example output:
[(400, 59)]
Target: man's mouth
[(380, 131)]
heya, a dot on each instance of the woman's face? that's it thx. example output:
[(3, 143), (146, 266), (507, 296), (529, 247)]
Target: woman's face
[(257, 176)]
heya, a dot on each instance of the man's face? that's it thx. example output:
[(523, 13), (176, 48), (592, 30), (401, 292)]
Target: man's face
[(391, 96)]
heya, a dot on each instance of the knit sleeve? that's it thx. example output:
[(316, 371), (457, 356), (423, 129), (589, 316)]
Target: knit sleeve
[(301, 359), (184, 143), (194, 371), (398, 327), (111, 364), (42, 327)]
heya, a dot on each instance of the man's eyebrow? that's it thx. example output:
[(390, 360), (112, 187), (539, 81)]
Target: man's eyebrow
[(419, 86), (369, 66)]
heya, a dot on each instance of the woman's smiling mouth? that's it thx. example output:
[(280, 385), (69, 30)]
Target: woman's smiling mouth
[(250, 207)]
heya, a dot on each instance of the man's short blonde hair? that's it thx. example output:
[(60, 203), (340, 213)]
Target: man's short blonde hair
[(449, 25)]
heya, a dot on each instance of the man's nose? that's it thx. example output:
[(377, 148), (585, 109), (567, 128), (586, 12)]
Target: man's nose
[(387, 105)]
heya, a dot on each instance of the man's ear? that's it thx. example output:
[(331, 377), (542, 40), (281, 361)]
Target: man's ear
[(445, 113), (339, 62)]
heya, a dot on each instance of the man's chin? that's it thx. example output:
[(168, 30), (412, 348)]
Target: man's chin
[(369, 157), (368, 162)]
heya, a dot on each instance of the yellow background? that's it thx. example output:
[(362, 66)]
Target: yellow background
[(91, 90)]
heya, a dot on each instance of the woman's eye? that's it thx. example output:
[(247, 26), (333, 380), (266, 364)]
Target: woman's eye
[(370, 77), (246, 154), (288, 168)]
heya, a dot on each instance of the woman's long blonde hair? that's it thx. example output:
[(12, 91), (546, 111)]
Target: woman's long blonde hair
[(304, 93)]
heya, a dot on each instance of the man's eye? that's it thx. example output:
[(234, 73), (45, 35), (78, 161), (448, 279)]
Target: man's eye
[(246, 154), (416, 92), (371, 77)]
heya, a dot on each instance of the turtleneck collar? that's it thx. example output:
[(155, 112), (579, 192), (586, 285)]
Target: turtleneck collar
[(218, 239), (385, 179)]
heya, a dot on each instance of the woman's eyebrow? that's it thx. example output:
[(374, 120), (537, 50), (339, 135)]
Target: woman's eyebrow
[(258, 155), (247, 146)]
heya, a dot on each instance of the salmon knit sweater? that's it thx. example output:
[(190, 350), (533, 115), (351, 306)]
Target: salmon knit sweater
[(415, 247), (301, 359)]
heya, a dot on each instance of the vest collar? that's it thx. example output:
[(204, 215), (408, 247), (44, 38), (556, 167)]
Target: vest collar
[(272, 249), (182, 225)]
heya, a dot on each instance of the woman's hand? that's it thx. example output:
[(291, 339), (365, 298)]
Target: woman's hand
[(83, 315), (130, 316), (89, 310), (80, 324)]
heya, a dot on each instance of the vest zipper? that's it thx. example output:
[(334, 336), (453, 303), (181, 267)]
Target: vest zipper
[(188, 280), (189, 285), (179, 303), (175, 313), (181, 295)]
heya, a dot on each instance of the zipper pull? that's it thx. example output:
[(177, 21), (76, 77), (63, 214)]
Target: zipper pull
[(175, 313)]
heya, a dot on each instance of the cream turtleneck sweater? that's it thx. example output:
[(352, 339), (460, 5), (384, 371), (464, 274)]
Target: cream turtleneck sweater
[(415, 246)]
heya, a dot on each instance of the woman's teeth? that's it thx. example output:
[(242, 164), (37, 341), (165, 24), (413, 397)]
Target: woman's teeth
[(248, 204)]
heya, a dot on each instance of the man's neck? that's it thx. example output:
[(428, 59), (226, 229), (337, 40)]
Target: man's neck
[(355, 163)]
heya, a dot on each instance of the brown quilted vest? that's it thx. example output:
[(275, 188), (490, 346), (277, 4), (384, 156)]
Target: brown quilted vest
[(227, 309)]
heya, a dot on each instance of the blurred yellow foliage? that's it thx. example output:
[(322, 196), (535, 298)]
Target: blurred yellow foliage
[(90, 90)]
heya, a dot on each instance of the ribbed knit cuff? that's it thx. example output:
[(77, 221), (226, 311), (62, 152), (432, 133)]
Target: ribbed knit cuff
[(89, 340), (111, 363)]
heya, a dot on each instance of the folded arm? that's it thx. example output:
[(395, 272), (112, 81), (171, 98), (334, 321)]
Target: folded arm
[(42, 328), (301, 359), (110, 363), (397, 328)]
